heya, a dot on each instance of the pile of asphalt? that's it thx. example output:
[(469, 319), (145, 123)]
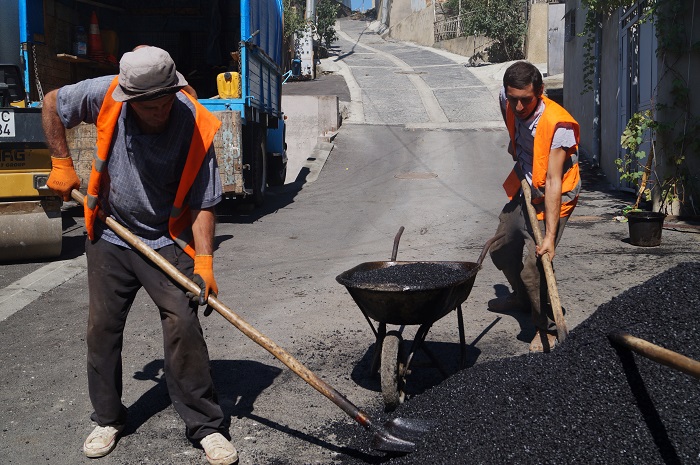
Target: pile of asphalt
[(586, 402), (424, 275)]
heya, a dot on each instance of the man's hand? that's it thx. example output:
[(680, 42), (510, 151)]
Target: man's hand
[(63, 178), (204, 278), (547, 247)]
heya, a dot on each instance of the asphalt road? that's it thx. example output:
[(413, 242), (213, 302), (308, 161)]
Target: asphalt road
[(402, 158)]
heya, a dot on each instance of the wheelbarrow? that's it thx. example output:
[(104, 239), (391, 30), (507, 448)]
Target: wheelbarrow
[(408, 293)]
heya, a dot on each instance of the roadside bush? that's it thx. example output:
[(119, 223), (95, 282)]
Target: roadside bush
[(326, 14), (502, 21)]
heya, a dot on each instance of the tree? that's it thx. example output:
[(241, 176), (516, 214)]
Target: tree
[(326, 14), (502, 21), (294, 26)]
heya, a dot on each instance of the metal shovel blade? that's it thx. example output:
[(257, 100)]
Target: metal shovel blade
[(408, 429), (399, 435)]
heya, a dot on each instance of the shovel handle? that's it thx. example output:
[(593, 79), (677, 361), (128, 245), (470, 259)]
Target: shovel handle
[(250, 331), (562, 330), (657, 353)]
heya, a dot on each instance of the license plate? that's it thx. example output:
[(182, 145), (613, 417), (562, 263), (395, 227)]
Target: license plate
[(7, 123)]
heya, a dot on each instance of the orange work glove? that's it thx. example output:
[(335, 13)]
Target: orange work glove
[(204, 278), (63, 178)]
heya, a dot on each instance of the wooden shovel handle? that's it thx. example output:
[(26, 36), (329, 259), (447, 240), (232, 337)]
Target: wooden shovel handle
[(657, 353), (562, 330)]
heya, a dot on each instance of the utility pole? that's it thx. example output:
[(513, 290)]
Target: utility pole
[(308, 66)]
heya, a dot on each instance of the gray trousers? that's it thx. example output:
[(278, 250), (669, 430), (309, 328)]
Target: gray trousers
[(115, 275), (524, 273)]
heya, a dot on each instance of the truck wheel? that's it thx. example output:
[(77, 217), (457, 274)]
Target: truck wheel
[(257, 177), (276, 171)]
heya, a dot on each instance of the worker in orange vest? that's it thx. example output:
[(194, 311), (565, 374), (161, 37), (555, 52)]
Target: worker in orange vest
[(155, 172), (544, 141)]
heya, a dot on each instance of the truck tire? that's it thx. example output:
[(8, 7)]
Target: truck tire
[(276, 170), (257, 176)]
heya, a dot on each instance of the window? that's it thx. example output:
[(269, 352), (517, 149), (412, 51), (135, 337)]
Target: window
[(570, 25)]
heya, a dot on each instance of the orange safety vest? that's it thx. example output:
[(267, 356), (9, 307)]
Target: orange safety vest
[(180, 222), (546, 127)]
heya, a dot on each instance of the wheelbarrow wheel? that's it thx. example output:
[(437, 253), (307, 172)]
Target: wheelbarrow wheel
[(391, 371)]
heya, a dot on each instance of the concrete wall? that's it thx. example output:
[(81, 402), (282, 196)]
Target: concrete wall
[(581, 105), (310, 119), (465, 46), (400, 10), (416, 27), (536, 40)]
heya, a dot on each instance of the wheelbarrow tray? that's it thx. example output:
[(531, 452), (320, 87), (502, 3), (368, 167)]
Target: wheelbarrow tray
[(409, 304)]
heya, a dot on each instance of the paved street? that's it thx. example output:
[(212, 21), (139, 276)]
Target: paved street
[(422, 147)]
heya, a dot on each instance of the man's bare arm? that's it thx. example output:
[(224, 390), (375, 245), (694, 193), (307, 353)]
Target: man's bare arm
[(53, 127), (203, 225), (552, 200)]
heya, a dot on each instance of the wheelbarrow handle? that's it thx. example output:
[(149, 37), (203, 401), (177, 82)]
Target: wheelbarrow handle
[(487, 247), (395, 250)]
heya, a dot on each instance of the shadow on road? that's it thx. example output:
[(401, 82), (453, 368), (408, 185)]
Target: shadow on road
[(243, 212), (238, 384)]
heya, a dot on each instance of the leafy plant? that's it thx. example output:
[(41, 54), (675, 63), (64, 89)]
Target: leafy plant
[(294, 23), (633, 137), (502, 21), (326, 14), (674, 129)]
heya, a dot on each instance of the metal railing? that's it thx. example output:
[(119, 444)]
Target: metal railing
[(448, 28)]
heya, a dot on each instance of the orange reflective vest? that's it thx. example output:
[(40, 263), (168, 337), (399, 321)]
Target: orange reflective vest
[(546, 127), (180, 222)]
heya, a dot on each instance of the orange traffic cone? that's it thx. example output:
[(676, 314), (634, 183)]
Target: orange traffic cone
[(95, 50)]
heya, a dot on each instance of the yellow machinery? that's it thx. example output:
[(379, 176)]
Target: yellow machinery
[(30, 213)]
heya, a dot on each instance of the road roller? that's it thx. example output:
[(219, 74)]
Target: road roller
[(30, 212)]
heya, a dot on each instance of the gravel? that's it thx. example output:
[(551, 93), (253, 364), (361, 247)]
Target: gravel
[(423, 275), (585, 402)]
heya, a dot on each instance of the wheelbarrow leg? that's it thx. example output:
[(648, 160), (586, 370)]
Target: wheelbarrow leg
[(419, 343), (462, 342)]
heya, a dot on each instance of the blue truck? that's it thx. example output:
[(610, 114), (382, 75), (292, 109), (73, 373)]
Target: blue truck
[(230, 51)]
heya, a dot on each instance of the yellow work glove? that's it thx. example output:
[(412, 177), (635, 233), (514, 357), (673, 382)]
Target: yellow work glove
[(204, 278), (63, 178)]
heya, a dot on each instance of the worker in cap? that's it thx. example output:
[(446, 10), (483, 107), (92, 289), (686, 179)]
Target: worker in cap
[(154, 172)]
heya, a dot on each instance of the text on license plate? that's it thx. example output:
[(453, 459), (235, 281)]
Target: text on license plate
[(7, 123)]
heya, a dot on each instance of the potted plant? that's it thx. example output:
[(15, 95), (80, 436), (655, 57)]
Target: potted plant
[(644, 226)]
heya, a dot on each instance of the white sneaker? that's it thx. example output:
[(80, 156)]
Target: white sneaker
[(101, 441), (219, 451)]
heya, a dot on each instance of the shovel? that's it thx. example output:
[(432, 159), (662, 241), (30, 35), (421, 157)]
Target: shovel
[(386, 438), (562, 330)]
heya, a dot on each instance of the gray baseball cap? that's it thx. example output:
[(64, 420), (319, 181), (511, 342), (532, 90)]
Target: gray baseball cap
[(147, 73)]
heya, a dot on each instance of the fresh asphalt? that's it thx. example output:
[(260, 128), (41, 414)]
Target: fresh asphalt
[(394, 163)]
